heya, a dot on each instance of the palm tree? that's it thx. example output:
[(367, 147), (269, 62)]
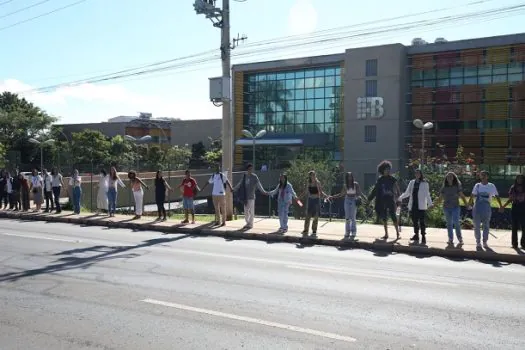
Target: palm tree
[(271, 96)]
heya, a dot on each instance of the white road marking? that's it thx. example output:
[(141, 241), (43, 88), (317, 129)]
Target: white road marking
[(40, 237), (252, 320), (369, 274)]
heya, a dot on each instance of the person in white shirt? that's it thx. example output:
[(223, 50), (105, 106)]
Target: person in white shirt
[(483, 192), (56, 185), (220, 182), (76, 183), (418, 192), (102, 195), (48, 191), (36, 188)]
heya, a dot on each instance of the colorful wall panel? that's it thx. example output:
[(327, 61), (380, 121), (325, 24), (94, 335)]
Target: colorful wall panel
[(472, 57), (471, 111), (498, 55), (445, 112), (519, 53), (495, 156), (469, 138), (446, 59), (422, 61), (446, 137), (517, 138), (238, 82), (422, 112), (422, 96), (496, 138)]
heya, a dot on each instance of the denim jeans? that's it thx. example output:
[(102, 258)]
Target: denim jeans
[(481, 213), (350, 216), (452, 218), (283, 210), (112, 200), (77, 193)]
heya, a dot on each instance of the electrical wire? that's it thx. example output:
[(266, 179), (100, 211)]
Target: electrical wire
[(6, 2), (24, 9), (362, 34), (42, 15)]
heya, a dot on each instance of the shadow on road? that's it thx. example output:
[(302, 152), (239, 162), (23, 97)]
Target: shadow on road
[(102, 253)]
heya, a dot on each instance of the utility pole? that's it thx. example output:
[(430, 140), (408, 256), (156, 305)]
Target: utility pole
[(221, 19)]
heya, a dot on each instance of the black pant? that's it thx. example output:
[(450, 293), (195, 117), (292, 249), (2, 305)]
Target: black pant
[(56, 195), (5, 199), (518, 219), (161, 209), (25, 199), (418, 219), (48, 195), (15, 200)]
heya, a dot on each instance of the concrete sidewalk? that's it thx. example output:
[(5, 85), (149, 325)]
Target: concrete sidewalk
[(329, 233)]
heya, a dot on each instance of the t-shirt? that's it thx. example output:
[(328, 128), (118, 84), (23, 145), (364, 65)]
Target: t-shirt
[(385, 186), (451, 196), (36, 181), (484, 193), (48, 180), (188, 187), (517, 193), (218, 181), (57, 180)]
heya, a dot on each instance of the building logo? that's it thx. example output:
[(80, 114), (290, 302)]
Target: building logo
[(370, 107)]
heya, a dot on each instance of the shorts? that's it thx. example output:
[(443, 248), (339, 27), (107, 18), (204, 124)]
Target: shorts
[(387, 209), (187, 203)]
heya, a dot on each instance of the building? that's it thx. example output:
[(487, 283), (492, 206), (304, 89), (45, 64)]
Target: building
[(173, 132), (358, 107)]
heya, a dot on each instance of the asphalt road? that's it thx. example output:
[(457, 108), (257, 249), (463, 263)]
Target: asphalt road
[(72, 287)]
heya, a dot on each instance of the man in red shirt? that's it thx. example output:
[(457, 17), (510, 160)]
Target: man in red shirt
[(190, 189)]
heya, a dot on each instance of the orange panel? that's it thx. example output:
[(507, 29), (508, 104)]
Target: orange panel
[(422, 112), (498, 55), (496, 138), (422, 96), (495, 155), (517, 138), (518, 110), (471, 93), (472, 57), (471, 111), (469, 138), (519, 52)]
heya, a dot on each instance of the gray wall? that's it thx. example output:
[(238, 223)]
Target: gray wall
[(108, 129), (362, 157)]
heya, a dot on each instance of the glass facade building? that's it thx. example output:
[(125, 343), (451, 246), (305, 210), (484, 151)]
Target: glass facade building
[(476, 99), (299, 104)]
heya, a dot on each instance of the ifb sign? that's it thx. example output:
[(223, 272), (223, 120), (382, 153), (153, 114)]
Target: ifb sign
[(370, 107)]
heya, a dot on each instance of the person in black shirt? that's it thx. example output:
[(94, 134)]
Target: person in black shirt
[(17, 204), (386, 191), (517, 198)]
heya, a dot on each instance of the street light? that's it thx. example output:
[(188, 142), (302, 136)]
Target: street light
[(258, 135), (41, 144), (418, 123)]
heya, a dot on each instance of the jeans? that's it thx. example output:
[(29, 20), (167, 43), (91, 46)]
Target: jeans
[(283, 210), (481, 213), (77, 193), (56, 195), (350, 216), (313, 207), (112, 200), (452, 218)]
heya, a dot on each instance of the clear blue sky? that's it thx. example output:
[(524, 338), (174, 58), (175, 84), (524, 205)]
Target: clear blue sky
[(102, 36)]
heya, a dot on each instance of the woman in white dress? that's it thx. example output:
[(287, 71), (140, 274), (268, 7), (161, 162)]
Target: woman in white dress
[(102, 195)]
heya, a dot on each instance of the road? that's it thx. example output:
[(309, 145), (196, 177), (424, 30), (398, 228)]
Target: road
[(71, 287)]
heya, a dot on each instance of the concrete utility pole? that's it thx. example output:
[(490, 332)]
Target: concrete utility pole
[(221, 19)]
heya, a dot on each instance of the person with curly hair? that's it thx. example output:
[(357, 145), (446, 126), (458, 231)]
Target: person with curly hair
[(385, 192)]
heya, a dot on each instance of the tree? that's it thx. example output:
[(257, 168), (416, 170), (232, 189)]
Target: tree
[(298, 174), (19, 121), (271, 98), (156, 157), (90, 147), (178, 158), (198, 151), (122, 152), (214, 153), (2, 155)]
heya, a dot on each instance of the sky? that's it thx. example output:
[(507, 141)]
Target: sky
[(98, 37)]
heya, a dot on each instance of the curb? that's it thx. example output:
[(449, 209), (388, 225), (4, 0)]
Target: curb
[(277, 238)]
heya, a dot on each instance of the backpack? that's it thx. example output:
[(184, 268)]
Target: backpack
[(222, 180)]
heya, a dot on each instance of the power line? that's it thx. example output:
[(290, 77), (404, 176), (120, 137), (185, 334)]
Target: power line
[(42, 15), (24, 9), (6, 2), (201, 58)]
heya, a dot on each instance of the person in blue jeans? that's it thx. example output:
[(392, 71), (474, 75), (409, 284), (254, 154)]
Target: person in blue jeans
[(113, 182), (483, 192), (285, 195), (450, 193), (351, 191), (76, 184)]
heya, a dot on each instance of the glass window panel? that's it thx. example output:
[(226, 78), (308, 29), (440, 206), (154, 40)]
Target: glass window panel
[(299, 94), (456, 72), (485, 80), (289, 128), (279, 117), (319, 72), (330, 71), (299, 83), (443, 73), (329, 92), (299, 74), (319, 104), (319, 93), (290, 84), (310, 93), (309, 83), (281, 76), (330, 128), (319, 117), (319, 82), (260, 119), (299, 117), (309, 129), (261, 77), (310, 104), (417, 74), (456, 82), (329, 81), (252, 78), (499, 69), (471, 81), (515, 77), (338, 80), (309, 73), (290, 75), (299, 105), (416, 84), (515, 68), (291, 105), (499, 78), (310, 117), (485, 70), (443, 82), (429, 83), (271, 76), (429, 74), (338, 71), (470, 71)]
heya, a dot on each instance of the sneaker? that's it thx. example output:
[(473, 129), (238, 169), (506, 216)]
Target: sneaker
[(450, 243)]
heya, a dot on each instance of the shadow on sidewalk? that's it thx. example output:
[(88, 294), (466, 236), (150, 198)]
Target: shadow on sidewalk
[(70, 261)]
